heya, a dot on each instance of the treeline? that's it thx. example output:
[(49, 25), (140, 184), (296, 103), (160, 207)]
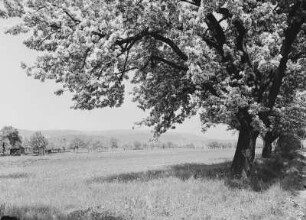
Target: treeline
[(90, 143), (12, 143), (215, 145)]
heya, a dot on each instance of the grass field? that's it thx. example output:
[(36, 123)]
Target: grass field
[(158, 184)]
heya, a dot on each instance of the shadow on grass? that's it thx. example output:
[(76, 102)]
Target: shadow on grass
[(15, 176), (266, 172), (183, 172), (285, 170), (46, 213)]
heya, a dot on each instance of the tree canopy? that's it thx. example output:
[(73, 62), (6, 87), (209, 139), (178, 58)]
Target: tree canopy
[(238, 62), (77, 143), (11, 134), (38, 141)]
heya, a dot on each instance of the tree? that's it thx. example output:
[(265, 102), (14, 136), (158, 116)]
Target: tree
[(3, 143), (38, 142), (235, 62), (77, 143), (113, 143), (291, 120), (97, 145), (10, 134), (137, 145)]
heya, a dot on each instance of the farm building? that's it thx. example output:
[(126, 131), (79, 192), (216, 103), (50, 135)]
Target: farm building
[(16, 151), (26, 150)]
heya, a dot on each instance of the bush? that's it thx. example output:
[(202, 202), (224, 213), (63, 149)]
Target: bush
[(287, 144), (137, 146)]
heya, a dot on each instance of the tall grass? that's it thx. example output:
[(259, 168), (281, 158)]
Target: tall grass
[(119, 186)]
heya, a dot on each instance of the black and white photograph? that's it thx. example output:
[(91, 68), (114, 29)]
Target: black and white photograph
[(152, 109)]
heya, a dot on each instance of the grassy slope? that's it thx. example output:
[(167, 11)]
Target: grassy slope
[(173, 184)]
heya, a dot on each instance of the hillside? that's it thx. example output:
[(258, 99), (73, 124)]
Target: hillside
[(128, 136)]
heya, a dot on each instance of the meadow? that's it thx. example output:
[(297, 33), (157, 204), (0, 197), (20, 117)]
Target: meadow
[(121, 185)]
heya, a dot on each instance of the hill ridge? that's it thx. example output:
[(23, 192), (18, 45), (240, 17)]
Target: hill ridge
[(127, 136)]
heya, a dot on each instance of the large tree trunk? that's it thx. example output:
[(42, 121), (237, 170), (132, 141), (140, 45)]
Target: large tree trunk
[(268, 139), (267, 149), (245, 150)]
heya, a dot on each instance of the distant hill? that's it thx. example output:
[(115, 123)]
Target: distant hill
[(51, 133), (128, 136)]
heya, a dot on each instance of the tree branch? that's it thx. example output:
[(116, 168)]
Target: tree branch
[(240, 40), (216, 31), (85, 57), (155, 35), (295, 23), (98, 34), (124, 66), (71, 17), (135, 38), (169, 42), (169, 63), (193, 2)]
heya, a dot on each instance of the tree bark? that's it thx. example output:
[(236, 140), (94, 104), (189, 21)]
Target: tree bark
[(267, 149), (245, 150), (268, 139), (295, 22)]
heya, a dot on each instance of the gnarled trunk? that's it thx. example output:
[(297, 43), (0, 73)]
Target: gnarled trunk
[(245, 150), (268, 139)]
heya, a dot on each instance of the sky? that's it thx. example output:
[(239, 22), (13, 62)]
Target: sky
[(27, 103)]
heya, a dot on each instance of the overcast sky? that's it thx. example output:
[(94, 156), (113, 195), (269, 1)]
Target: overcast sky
[(27, 103)]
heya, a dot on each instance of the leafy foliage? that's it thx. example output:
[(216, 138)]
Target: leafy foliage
[(77, 143), (213, 57), (113, 143), (10, 134), (291, 118), (38, 141)]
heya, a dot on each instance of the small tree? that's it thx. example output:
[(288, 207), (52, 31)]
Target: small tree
[(4, 142), (89, 145), (63, 144), (96, 145), (113, 143), (137, 145), (38, 142), (77, 143), (170, 144), (10, 134)]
